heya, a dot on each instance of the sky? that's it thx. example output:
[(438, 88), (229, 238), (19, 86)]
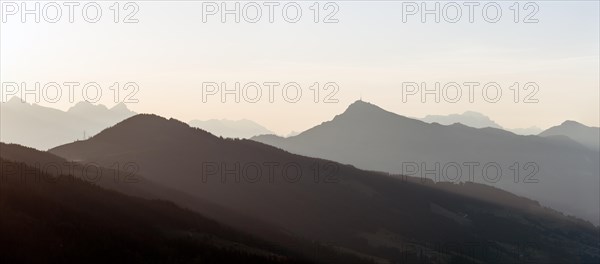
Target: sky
[(174, 51)]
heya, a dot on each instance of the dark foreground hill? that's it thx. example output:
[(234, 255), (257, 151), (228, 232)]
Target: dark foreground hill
[(68, 220), (44, 195), (368, 214)]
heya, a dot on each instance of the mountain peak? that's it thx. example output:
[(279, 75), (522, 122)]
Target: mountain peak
[(86, 106), (473, 113), (360, 102), (361, 109), (15, 101), (585, 135), (367, 113), (122, 109), (571, 123), (146, 131), (120, 106), (150, 126), (144, 119), (362, 106)]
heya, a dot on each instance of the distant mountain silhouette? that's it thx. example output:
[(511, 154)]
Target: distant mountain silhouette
[(477, 120), (371, 138), (231, 128), (469, 118), (369, 214), (291, 134), (534, 130), (43, 127), (587, 136)]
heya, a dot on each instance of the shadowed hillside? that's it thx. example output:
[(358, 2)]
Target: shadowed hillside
[(69, 220), (32, 167)]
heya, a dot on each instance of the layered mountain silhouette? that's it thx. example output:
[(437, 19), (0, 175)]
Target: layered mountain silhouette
[(587, 136), (243, 128), (370, 215), (560, 173), (43, 127), (122, 176), (54, 198)]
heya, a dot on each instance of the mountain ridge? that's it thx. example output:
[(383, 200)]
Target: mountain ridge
[(468, 118), (345, 207), (371, 138), (585, 135), (22, 123)]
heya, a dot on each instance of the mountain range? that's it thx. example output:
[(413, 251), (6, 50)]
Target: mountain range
[(477, 120), (558, 172), (45, 195), (213, 199), (469, 118), (372, 215), (21, 122), (44, 127)]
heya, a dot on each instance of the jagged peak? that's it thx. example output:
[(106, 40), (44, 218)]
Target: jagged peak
[(120, 107), (85, 105), (15, 100)]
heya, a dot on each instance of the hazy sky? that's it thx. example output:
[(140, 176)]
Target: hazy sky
[(370, 52)]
